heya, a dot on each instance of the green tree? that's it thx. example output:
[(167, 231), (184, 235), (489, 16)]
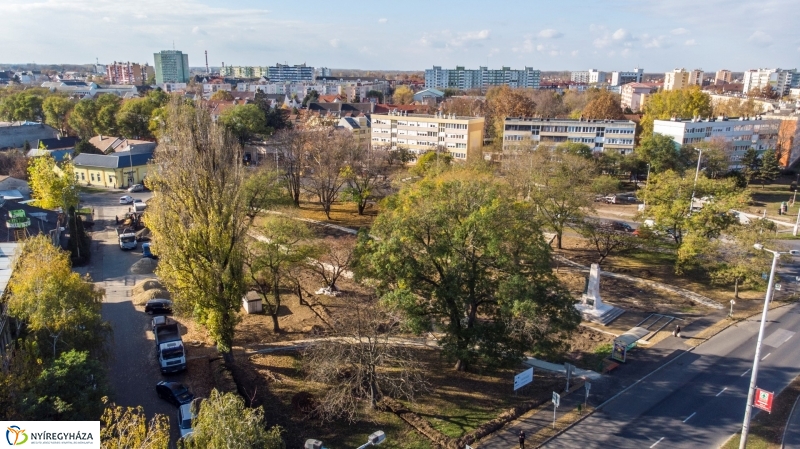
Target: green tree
[(683, 103), (221, 95), (375, 94), (661, 152), (432, 163), (282, 246), (55, 303), (605, 105), (244, 121), (84, 146), (79, 243), (458, 253), (133, 118), (403, 95), (735, 261), (151, 80), (70, 390), (105, 122), (56, 108), (578, 149), (311, 97), (83, 117), (199, 216), (52, 187), (128, 428), (223, 422), (770, 167), (21, 106), (606, 240), (605, 185), (750, 165)]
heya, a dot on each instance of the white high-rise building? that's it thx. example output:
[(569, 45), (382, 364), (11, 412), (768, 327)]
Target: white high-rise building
[(592, 76), (620, 78), (780, 80), (681, 79)]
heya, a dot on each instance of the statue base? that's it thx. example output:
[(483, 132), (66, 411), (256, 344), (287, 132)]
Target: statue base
[(603, 314)]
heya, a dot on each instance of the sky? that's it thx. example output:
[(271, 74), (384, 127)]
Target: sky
[(656, 35)]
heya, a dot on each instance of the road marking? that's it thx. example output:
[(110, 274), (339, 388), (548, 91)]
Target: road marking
[(722, 391), (742, 375), (654, 444), (690, 417), (766, 356)]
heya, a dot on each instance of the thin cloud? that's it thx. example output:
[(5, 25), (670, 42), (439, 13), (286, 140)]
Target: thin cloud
[(550, 34), (679, 31), (383, 20), (334, 43), (690, 43), (760, 38)]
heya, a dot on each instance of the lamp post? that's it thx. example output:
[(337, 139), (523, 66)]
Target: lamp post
[(754, 376), (696, 173)]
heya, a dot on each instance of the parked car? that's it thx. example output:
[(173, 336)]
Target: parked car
[(185, 418), (173, 392), (147, 251), (127, 199), (158, 306), (621, 226), (136, 188)]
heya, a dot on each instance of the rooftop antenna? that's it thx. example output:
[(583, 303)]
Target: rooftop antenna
[(207, 72)]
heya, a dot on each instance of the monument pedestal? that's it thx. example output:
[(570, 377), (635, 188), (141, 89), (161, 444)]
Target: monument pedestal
[(592, 307)]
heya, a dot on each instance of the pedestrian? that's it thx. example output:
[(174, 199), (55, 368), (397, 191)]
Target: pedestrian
[(116, 219), (678, 331), (521, 439)]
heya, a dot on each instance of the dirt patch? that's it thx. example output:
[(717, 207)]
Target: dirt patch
[(144, 266), (142, 298), (147, 284)]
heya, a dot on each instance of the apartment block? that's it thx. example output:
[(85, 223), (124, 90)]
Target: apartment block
[(462, 137), (244, 71), (128, 73), (780, 80), (723, 76), (172, 66), (600, 135), (290, 73), (620, 78), (680, 79), (591, 76), (739, 133), (482, 78), (634, 95)]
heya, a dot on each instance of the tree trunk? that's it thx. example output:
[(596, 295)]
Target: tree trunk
[(361, 206), (275, 326), (276, 299), (736, 288), (228, 357), (558, 239)]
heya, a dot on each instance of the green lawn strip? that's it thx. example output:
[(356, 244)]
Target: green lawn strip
[(766, 429)]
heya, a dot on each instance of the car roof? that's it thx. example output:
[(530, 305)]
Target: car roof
[(159, 301)]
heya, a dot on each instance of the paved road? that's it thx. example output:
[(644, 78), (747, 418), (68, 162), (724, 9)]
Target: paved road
[(133, 368), (791, 436), (699, 399)]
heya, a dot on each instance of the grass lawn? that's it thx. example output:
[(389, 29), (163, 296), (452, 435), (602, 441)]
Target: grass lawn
[(342, 214), (770, 197), (766, 429)]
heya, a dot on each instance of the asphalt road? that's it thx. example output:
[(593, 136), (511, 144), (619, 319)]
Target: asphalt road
[(699, 399), (133, 368)]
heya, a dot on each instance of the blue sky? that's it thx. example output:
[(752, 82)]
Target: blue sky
[(411, 35)]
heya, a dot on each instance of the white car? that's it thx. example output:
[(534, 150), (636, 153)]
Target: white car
[(127, 199), (185, 418), (136, 188)]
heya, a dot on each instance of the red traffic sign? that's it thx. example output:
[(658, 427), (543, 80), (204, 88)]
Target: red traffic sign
[(763, 400)]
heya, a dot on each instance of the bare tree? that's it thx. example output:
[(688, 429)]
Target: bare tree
[(327, 159), (361, 364), (334, 260), (292, 148), (366, 175), (607, 240)]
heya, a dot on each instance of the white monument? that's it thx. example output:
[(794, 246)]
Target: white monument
[(591, 306)]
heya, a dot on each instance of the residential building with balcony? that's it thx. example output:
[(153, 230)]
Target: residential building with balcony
[(172, 66), (620, 78), (244, 71), (599, 135), (462, 137), (128, 73), (634, 95), (740, 133), (290, 73), (482, 78), (723, 77), (681, 79), (779, 79), (591, 76)]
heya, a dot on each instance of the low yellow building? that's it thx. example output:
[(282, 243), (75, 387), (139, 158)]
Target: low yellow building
[(116, 170)]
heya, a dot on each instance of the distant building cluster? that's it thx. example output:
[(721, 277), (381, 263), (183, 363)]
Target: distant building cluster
[(482, 78), (128, 73)]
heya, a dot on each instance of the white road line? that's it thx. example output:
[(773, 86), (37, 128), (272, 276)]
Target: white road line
[(767, 356), (723, 390), (654, 444), (742, 375), (689, 417)]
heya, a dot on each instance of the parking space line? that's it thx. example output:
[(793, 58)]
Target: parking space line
[(721, 391), (654, 444), (767, 356), (689, 417), (742, 375)]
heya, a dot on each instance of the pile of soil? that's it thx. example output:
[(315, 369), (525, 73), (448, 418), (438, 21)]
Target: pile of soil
[(145, 296), (147, 284), (144, 266)]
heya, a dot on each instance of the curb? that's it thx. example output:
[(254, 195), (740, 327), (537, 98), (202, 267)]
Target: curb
[(588, 414), (786, 426)]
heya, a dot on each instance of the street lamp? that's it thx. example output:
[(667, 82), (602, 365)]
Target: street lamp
[(754, 376), (696, 173)]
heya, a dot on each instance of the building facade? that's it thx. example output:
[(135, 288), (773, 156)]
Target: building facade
[(482, 78), (634, 95), (115, 170), (681, 79), (620, 78), (723, 77), (128, 74), (244, 71), (462, 137), (591, 76), (600, 135), (779, 79), (172, 66), (740, 134), (282, 73)]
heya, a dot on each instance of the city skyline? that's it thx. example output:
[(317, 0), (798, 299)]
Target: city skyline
[(568, 36)]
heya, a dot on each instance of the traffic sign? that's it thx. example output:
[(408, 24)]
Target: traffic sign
[(556, 399), (588, 386), (778, 287), (763, 400)]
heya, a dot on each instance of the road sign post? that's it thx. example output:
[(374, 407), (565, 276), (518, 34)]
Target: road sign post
[(588, 386), (568, 368), (763, 400), (556, 403)]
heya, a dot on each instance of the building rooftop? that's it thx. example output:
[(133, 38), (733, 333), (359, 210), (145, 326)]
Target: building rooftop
[(574, 120), (121, 159), (433, 116)]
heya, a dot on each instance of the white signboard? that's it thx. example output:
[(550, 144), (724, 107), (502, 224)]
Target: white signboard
[(523, 378), (556, 399)]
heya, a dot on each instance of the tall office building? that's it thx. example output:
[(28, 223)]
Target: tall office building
[(620, 78), (482, 78), (127, 73), (172, 66)]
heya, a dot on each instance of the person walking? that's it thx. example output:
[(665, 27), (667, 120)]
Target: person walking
[(521, 439), (677, 332)]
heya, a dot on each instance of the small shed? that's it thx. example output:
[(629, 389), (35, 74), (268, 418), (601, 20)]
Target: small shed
[(252, 302)]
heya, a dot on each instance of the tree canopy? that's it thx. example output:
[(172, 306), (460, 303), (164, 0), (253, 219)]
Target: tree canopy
[(605, 105), (682, 103), (52, 188), (403, 95)]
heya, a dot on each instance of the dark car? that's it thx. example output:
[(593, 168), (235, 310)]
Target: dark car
[(621, 226), (173, 392), (158, 306)]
